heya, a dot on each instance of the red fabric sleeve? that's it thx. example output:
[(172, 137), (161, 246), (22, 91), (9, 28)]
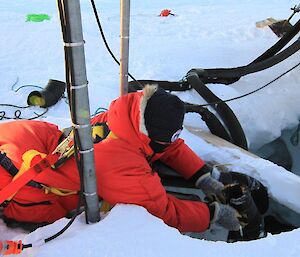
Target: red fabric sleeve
[(187, 216), (196, 216), (16, 138), (182, 159), (102, 117), (131, 180)]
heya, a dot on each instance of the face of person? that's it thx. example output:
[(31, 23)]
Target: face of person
[(160, 146)]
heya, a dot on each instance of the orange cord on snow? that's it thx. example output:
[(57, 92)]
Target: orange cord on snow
[(8, 247), (165, 13)]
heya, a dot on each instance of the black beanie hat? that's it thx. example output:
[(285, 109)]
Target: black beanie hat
[(164, 115)]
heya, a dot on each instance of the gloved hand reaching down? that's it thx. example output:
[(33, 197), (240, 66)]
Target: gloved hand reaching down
[(225, 216), (204, 180)]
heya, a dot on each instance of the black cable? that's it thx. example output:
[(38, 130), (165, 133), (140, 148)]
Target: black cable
[(15, 83), (37, 115), (66, 226), (281, 43), (59, 232), (16, 90), (15, 106), (231, 75), (105, 41), (98, 111), (18, 113), (80, 199), (77, 211), (102, 32), (252, 92)]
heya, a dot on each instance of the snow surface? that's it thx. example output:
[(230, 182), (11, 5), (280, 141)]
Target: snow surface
[(202, 34)]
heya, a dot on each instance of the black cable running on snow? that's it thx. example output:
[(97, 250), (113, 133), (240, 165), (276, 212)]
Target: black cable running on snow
[(105, 41), (18, 112), (230, 75), (254, 91)]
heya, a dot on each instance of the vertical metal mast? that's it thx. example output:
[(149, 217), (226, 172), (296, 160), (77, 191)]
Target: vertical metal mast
[(125, 19), (77, 84)]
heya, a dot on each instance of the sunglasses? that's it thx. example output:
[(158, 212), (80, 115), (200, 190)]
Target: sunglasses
[(163, 143), (174, 137)]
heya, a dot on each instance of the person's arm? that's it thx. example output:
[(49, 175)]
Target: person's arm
[(180, 157), (185, 161)]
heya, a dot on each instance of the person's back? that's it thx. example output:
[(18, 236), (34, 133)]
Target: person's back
[(25, 143), (144, 126)]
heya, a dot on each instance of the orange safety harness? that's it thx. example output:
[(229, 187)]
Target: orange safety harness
[(26, 174), (10, 190), (64, 151)]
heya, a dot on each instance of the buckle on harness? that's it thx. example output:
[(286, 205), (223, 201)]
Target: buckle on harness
[(42, 165), (65, 146), (100, 131), (65, 149)]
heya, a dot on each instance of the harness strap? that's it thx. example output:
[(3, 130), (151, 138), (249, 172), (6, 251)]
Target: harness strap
[(63, 152), (9, 190), (7, 164), (100, 131), (58, 191)]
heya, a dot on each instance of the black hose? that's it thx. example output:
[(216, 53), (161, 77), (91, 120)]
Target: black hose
[(134, 86), (212, 122), (289, 51), (281, 43), (228, 76), (227, 115)]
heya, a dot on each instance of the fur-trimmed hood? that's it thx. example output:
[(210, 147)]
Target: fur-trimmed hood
[(148, 91), (126, 116)]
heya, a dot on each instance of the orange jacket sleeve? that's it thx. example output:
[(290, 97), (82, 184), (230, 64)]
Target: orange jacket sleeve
[(182, 159)]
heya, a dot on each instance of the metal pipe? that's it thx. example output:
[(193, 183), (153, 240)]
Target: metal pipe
[(79, 102), (124, 24)]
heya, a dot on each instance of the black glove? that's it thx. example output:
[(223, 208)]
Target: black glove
[(225, 216)]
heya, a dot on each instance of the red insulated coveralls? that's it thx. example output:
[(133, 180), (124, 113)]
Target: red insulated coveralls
[(123, 170)]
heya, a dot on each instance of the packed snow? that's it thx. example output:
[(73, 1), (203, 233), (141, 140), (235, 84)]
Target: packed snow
[(201, 34)]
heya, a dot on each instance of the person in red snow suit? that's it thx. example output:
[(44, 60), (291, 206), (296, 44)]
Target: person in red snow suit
[(144, 127)]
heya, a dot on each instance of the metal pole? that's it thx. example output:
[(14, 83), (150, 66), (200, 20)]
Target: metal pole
[(79, 101), (125, 20)]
